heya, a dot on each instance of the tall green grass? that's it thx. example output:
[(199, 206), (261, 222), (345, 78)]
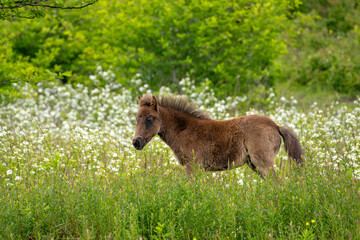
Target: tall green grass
[(155, 203)]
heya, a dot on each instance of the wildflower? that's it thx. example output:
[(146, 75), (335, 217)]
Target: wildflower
[(307, 224), (8, 172), (313, 221)]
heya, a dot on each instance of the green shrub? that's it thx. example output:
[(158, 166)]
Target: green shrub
[(326, 53), (324, 63), (231, 43), (340, 16)]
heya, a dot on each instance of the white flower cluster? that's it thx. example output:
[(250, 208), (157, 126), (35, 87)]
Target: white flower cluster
[(78, 129)]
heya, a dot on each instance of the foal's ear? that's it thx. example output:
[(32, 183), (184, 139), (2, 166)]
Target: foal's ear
[(139, 98), (153, 103)]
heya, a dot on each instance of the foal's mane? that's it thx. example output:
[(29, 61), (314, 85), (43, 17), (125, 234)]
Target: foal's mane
[(181, 104)]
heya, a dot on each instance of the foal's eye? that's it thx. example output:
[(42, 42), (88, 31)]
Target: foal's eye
[(149, 120)]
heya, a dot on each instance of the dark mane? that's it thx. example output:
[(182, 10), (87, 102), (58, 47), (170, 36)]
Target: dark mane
[(181, 104)]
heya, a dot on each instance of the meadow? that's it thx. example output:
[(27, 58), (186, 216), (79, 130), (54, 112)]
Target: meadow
[(68, 170)]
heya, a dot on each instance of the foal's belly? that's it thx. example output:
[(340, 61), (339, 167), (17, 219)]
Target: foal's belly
[(227, 151), (225, 163)]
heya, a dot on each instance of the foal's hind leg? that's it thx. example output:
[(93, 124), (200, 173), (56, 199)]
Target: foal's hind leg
[(262, 148), (251, 165), (261, 163)]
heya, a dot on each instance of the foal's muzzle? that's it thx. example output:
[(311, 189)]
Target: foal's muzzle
[(138, 143)]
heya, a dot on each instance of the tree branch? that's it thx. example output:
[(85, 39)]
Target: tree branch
[(21, 4), (35, 4)]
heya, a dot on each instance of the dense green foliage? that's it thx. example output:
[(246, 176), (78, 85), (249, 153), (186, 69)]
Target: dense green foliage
[(340, 16), (237, 45), (326, 52), (231, 43), (68, 171)]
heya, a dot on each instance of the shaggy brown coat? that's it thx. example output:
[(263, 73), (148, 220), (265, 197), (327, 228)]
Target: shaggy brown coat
[(215, 145)]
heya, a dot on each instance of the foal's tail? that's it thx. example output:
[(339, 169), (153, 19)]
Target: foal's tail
[(292, 145)]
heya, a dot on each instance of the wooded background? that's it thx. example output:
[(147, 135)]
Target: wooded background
[(237, 46)]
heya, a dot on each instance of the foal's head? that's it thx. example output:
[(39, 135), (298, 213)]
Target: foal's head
[(148, 121)]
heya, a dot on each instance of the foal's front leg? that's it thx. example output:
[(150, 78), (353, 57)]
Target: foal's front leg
[(189, 167)]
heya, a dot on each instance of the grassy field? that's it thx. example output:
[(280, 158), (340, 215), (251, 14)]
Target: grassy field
[(68, 171)]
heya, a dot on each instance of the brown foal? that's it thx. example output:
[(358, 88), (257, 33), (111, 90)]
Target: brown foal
[(195, 138)]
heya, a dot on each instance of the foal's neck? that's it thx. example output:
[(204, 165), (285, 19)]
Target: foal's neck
[(173, 123)]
